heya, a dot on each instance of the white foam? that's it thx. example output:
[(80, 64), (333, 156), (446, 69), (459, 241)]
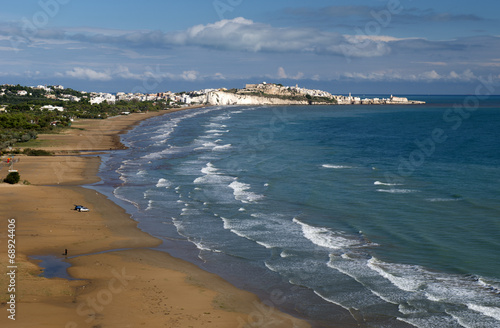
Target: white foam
[(398, 191), (217, 131), (178, 225), (431, 322), (226, 223), (117, 195), (221, 118), (163, 183), (270, 267), (472, 319), (162, 153), (156, 155), (241, 193), (216, 125), (489, 311), (208, 145), (443, 199), (209, 169), (334, 302), (490, 285), (403, 283), (165, 131), (285, 254), (240, 234), (213, 179), (224, 147), (406, 309), (227, 226), (266, 245), (324, 237), (379, 183), (433, 297), (333, 166), (200, 246)]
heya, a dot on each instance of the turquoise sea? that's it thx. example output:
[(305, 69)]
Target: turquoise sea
[(361, 216)]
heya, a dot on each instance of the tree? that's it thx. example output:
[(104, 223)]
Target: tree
[(12, 178)]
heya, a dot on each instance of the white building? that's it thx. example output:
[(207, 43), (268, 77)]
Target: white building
[(98, 98), (52, 108), (399, 99)]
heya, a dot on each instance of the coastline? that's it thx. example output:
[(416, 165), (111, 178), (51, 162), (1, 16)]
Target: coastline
[(154, 288)]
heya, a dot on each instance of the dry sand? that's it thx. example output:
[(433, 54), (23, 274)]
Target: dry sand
[(137, 287)]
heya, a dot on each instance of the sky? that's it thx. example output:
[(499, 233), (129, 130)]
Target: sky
[(363, 47)]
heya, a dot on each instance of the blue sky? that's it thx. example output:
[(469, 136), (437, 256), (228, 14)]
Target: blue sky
[(387, 46)]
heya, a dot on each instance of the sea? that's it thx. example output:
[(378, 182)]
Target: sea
[(345, 216)]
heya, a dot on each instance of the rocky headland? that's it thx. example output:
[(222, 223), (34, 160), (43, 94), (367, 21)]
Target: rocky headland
[(277, 94)]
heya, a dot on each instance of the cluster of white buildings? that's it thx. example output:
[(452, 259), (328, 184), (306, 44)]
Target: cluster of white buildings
[(98, 98), (350, 100), (52, 108), (278, 89), (192, 97), (48, 88), (202, 96)]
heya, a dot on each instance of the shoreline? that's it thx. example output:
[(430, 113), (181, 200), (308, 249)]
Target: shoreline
[(154, 288)]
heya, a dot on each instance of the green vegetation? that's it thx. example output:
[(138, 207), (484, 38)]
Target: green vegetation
[(12, 178), (22, 117), (36, 152)]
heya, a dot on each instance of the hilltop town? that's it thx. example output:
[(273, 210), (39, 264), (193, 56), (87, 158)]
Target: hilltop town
[(253, 94), (277, 94)]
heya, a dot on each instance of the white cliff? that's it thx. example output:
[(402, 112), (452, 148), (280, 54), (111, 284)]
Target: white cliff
[(221, 98)]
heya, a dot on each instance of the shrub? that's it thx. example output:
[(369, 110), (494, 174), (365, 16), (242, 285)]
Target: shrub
[(36, 152), (12, 178)]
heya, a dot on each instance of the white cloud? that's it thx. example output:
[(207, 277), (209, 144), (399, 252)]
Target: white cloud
[(8, 49), (282, 73), (219, 76), (190, 75), (246, 35), (123, 72), (428, 76), (238, 34), (88, 74), (431, 63), (432, 75)]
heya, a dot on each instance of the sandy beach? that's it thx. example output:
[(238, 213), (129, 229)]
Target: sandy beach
[(118, 280)]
